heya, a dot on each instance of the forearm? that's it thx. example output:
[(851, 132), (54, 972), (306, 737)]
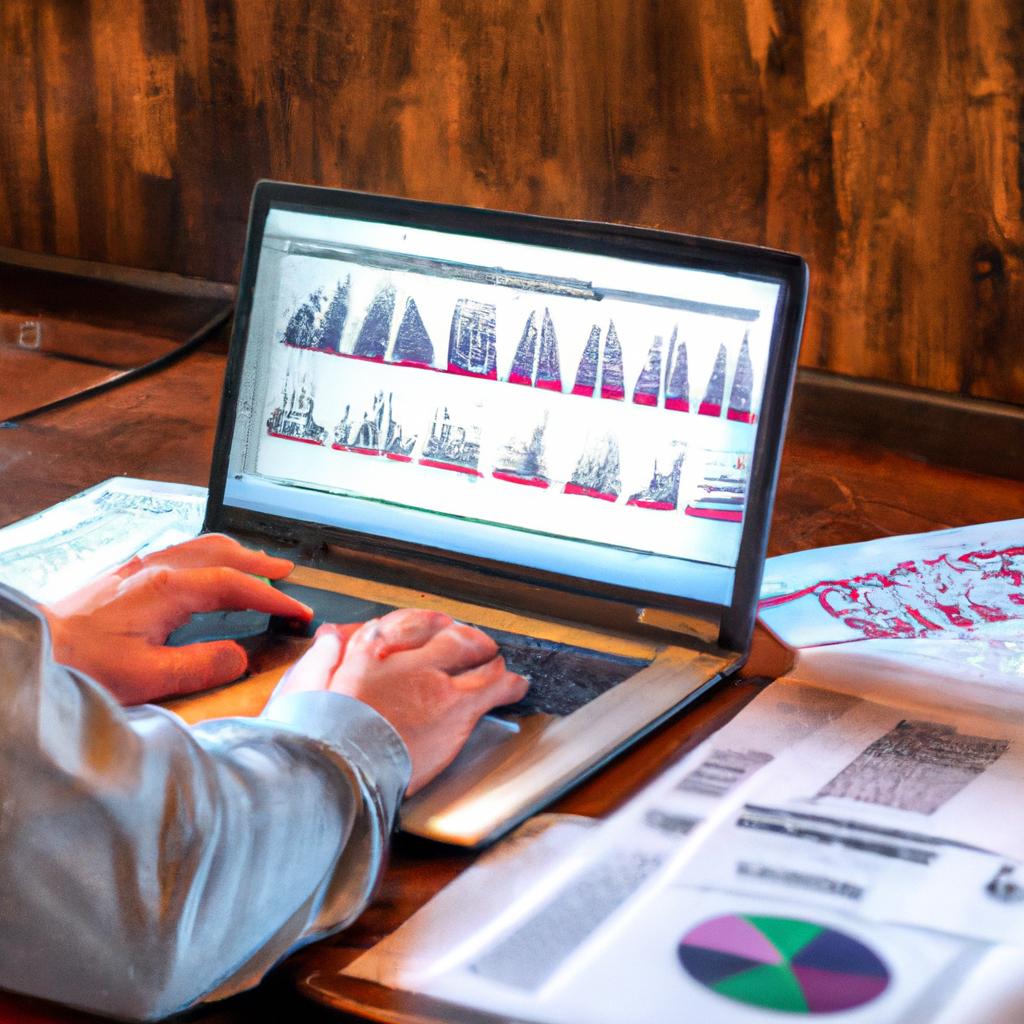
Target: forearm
[(144, 865)]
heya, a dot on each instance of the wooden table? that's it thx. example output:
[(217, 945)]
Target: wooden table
[(162, 427)]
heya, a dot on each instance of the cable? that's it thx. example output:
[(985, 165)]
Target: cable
[(135, 373)]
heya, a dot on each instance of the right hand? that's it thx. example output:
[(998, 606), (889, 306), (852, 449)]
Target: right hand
[(115, 628), (432, 678)]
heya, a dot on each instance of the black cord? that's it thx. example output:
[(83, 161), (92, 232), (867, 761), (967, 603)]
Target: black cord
[(197, 339)]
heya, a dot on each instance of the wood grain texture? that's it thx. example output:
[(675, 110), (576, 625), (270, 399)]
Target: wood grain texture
[(881, 140)]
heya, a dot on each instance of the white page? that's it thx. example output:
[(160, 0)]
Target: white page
[(934, 772), (883, 874), (597, 935), (993, 993), (60, 549), (457, 914), (980, 673), (948, 583), (633, 970)]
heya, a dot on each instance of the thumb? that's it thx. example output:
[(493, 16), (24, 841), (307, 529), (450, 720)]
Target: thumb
[(181, 670), (314, 669)]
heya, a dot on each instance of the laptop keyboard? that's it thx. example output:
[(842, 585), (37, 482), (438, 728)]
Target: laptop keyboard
[(562, 678)]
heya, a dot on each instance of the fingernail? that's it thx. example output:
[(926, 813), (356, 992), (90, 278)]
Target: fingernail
[(281, 566), (370, 637), (323, 638)]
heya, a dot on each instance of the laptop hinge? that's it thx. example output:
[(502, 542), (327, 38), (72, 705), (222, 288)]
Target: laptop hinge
[(678, 622)]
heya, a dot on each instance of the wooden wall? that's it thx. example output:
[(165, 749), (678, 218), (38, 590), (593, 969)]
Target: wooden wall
[(882, 140)]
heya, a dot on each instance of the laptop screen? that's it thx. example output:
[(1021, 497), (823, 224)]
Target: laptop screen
[(568, 411)]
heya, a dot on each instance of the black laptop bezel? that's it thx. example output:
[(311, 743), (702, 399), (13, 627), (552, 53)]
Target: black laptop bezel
[(789, 270)]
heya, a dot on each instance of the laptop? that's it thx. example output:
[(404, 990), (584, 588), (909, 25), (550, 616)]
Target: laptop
[(566, 433)]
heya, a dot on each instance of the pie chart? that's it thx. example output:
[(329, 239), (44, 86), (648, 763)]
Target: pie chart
[(782, 963)]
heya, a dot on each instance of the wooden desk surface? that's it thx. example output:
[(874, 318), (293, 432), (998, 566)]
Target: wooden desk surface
[(162, 427)]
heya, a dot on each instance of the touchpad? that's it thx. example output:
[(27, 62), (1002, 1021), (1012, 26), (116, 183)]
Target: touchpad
[(327, 607), (206, 626)]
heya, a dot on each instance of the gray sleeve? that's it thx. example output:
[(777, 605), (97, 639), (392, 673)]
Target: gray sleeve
[(145, 865)]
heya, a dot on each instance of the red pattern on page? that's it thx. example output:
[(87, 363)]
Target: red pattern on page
[(924, 597)]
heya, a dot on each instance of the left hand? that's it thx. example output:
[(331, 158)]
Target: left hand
[(115, 628), (430, 677)]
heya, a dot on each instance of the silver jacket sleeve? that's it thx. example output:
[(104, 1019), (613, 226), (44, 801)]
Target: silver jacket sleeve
[(146, 865)]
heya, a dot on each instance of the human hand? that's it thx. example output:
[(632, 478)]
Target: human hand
[(432, 678), (115, 628)]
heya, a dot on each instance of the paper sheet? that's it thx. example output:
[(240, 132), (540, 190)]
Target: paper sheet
[(889, 816), (932, 619), (465, 907), (53, 553), (622, 936), (786, 813), (949, 583), (995, 994), (947, 775), (981, 673), (651, 964)]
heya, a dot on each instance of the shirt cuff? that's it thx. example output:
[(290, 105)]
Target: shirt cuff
[(363, 737)]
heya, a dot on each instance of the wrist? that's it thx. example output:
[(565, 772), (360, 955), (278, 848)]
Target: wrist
[(70, 644), (350, 726)]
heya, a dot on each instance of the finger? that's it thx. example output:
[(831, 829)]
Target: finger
[(492, 684), (408, 628), (178, 593), (210, 550), (454, 649), (404, 629), (314, 669), (342, 631), (365, 638), (180, 670)]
